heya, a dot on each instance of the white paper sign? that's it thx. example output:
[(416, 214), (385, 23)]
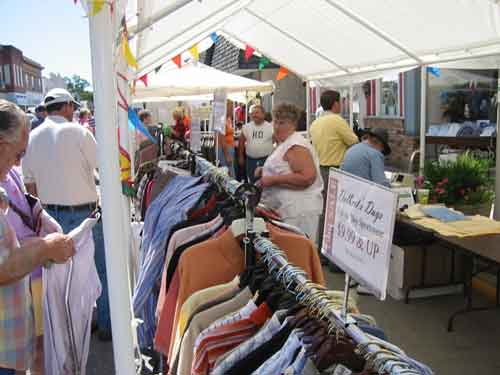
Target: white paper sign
[(219, 111), (359, 225)]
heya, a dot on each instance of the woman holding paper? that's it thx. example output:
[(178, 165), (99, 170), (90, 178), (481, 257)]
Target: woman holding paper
[(20, 253), (290, 177)]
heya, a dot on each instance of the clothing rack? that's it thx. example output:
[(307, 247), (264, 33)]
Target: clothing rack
[(384, 357)]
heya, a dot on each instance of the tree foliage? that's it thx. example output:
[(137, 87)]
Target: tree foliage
[(78, 86)]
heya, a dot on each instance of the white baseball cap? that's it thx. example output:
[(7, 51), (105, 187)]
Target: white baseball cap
[(59, 96)]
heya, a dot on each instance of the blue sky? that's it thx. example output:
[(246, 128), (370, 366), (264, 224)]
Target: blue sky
[(51, 32)]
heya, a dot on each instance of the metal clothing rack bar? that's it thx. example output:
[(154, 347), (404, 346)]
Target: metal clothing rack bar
[(313, 296)]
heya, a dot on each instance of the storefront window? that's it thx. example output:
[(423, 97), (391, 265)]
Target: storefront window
[(6, 74), (389, 96), (458, 96)]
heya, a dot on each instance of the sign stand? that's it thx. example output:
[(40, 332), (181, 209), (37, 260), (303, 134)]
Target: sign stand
[(359, 225)]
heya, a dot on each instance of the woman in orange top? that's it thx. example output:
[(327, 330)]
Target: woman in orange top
[(225, 150)]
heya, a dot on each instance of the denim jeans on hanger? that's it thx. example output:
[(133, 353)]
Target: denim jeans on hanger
[(6, 371), (70, 219)]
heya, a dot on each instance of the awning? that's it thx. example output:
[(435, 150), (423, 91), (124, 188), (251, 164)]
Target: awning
[(197, 79)]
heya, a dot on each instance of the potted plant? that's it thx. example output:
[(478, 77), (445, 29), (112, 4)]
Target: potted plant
[(464, 184)]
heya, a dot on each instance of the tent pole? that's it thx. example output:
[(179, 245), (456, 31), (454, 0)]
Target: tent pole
[(104, 78), (496, 214), (351, 113), (308, 106), (423, 116)]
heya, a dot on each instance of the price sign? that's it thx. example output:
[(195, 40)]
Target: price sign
[(359, 225), (219, 111)]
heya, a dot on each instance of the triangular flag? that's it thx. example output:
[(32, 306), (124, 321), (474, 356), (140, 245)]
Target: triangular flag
[(263, 62), (214, 37), (75, 1), (97, 6), (157, 69), (248, 52), (127, 53), (135, 123), (194, 52), (177, 60), (282, 73), (144, 79)]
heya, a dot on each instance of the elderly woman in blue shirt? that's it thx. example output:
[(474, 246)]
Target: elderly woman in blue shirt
[(366, 159)]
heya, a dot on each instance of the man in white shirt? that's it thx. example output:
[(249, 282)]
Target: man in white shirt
[(255, 142), (59, 168)]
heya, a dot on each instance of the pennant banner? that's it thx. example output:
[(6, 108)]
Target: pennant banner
[(135, 123), (177, 60), (96, 7), (263, 62), (248, 52), (194, 52), (282, 73), (214, 37), (127, 53), (158, 68), (144, 79)]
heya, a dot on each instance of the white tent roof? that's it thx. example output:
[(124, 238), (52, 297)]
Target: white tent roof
[(197, 79), (318, 38)]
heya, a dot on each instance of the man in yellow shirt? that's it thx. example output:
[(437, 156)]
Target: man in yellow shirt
[(331, 137)]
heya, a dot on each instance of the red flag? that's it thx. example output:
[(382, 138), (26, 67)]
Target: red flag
[(144, 79), (248, 52), (282, 73), (177, 60)]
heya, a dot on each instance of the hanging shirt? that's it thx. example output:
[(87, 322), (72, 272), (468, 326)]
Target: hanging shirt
[(227, 337), (167, 210), (67, 326), (291, 202), (259, 139)]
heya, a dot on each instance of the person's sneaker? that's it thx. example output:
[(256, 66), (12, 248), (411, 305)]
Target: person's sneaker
[(104, 335)]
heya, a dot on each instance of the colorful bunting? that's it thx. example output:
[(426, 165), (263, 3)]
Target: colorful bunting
[(214, 37), (135, 123), (434, 71), (177, 60), (263, 62), (157, 69), (144, 79), (96, 7), (282, 73), (127, 53), (248, 52), (194, 52)]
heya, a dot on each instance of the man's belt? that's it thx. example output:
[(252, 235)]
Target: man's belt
[(86, 206)]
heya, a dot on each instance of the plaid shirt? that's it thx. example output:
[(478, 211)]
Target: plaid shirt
[(16, 314)]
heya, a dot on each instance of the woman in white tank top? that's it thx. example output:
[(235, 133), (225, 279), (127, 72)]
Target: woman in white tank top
[(291, 179)]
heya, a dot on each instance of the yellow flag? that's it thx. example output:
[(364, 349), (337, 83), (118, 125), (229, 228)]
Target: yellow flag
[(96, 7), (194, 51), (127, 53)]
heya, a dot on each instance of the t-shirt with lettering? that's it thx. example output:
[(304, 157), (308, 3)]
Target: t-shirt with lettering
[(259, 139)]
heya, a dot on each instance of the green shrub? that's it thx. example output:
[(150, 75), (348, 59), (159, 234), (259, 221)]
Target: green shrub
[(465, 181)]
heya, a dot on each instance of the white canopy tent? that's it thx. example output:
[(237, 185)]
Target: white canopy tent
[(315, 39), (195, 80)]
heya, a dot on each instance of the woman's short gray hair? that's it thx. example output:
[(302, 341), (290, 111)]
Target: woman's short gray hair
[(285, 111), (12, 120)]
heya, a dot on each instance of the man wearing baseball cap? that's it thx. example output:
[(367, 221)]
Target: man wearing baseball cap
[(59, 168)]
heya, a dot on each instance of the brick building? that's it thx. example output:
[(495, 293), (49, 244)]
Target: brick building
[(20, 77)]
